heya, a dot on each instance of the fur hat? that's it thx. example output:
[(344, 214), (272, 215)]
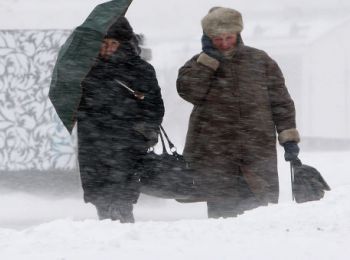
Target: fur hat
[(121, 30), (222, 20)]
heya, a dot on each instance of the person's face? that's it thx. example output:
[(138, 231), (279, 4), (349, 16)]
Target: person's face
[(108, 47), (225, 42)]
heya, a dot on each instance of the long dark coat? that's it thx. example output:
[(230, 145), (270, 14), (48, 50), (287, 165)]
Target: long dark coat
[(238, 108), (109, 120)]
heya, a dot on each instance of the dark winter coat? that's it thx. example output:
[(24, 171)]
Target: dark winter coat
[(114, 127), (238, 108)]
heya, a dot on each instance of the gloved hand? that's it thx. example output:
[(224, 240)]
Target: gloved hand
[(152, 137), (149, 133), (209, 49), (291, 151)]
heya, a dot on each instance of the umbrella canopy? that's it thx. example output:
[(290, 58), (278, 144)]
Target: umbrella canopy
[(307, 182), (77, 56)]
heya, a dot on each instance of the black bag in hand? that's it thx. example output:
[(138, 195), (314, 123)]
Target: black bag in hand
[(307, 183), (166, 175)]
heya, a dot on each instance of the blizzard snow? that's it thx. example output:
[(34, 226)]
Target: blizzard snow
[(34, 227), (318, 230)]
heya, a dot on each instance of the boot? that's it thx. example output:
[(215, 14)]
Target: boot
[(122, 212), (103, 211)]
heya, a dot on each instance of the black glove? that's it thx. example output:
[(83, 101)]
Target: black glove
[(149, 133), (209, 49), (152, 137), (291, 151)]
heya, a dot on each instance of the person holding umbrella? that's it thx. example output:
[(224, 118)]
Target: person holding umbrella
[(241, 104), (118, 117)]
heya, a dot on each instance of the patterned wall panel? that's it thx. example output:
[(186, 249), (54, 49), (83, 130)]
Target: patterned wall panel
[(31, 134)]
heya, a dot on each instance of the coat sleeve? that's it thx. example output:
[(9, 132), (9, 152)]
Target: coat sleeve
[(152, 105), (282, 105), (194, 79)]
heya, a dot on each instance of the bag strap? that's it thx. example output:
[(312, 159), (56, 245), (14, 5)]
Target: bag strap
[(171, 145), (293, 164), (292, 180), (163, 143)]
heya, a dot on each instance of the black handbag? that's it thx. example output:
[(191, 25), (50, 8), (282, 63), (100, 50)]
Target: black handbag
[(166, 175), (307, 182)]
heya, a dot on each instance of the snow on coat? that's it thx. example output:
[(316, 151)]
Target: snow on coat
[(237, 111)]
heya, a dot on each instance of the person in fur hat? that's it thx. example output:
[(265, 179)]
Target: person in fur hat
[(241, 106), (116, 126)]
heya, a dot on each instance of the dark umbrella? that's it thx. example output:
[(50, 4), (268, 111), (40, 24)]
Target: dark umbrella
[(77, 56), (307, 182)]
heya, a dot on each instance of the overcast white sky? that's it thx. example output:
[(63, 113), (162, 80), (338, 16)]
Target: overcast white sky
[(37, 14)]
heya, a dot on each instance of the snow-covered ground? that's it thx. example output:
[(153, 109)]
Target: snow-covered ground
[(34, 227), (66, 228), (318, 230)]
